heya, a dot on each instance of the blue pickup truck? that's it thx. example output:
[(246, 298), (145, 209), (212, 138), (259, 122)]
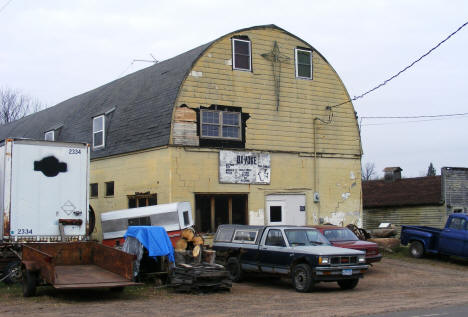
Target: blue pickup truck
[(452, 240)]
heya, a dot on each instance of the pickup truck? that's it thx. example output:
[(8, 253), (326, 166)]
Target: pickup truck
[(301, 253), (452, 240)]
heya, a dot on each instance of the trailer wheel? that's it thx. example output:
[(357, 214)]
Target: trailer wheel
[(348, 284), (234, 268), (29, 283), (302, 278), (13, 272), (416, 249)]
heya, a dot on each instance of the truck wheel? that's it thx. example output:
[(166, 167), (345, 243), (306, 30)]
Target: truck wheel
[(416, 249), (302, 278), (13, 271), (348, 284), (234, 268), (29, 283)]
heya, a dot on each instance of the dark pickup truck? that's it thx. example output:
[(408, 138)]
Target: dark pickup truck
[(301, 253), (452, 240)]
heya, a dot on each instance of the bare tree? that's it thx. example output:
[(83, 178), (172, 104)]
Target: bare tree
[(14, 105), (368, 172)]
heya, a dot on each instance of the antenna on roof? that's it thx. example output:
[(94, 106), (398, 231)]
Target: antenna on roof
[(154, 61)]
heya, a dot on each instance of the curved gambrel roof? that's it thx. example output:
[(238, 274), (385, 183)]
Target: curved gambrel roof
[(138, 107)]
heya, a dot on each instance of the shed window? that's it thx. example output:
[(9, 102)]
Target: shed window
[(110, 188), (220, 124), (94, 189), (241, 54), (99, 132), (303, 63), (49, 136)]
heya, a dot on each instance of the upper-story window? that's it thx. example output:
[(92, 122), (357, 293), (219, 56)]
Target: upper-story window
[(99, 132), (49, 136), (220, 124), (303, 63), (241, 54)]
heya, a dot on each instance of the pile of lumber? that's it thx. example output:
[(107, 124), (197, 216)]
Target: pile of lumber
[(195, 268), (200, 277)]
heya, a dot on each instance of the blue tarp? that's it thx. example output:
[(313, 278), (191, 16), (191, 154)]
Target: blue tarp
[(154, 239)]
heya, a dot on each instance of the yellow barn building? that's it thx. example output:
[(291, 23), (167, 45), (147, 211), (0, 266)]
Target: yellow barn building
[(244, 128)]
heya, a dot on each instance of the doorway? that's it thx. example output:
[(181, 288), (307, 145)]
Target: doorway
[(286, 209)]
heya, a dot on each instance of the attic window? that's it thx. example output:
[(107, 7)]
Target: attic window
[(220, 124), (49, 135), (241, 54), (303, 63), (99, 132)]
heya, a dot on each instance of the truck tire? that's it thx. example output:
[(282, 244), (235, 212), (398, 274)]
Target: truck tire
[(348, 284), (302, 278), (13, 271), (416, 249), (29, 283), (234, 268)]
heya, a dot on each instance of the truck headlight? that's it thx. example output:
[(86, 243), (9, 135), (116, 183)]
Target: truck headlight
[(324, 260), (362, 259)]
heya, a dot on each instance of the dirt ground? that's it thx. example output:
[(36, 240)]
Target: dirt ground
[(392, 285)]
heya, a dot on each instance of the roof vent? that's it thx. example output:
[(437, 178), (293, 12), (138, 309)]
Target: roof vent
[(392, 174)]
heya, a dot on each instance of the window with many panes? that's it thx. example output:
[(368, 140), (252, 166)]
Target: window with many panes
[(49, 136), (220, 124), (303, 63), (241, 54), (99, 132), (142, 200)]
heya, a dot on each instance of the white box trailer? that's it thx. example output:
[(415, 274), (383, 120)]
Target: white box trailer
[(43, 191)]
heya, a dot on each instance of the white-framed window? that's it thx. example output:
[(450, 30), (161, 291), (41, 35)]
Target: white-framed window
[(99, 132), (241, 54), (303, 63), (245, 236), (220, 124), (49, 135)]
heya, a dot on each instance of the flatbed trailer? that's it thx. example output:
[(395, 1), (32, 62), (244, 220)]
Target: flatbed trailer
[(75, 265)]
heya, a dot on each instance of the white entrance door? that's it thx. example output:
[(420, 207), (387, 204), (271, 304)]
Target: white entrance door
[(286, 210)]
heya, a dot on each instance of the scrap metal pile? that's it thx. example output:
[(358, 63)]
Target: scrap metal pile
[(195, 269)]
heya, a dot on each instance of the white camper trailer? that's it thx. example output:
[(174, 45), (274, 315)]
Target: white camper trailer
[(173, 217)]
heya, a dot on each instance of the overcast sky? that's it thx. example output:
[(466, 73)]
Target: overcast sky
[(54, 50)]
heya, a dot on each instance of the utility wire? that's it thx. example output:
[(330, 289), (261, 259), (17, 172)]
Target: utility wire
[(411, 121), (5, 5), (403, 70), (416, 117)]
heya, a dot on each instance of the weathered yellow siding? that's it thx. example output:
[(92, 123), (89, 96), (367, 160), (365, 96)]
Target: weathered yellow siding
[(432, 216), (138, 172), (213, 81)]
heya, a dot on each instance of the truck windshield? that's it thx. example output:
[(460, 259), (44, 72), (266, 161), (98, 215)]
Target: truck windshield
[(343, 234), (297, 237)]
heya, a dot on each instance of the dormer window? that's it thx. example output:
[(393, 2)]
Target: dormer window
[(303, 63), (49, 135), (99, 132), (221, 124), (241, 54)]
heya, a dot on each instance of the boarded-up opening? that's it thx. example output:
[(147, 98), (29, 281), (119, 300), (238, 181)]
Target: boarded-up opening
[(214, 210)]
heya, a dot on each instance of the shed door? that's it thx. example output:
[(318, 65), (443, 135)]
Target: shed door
[(286, 210)]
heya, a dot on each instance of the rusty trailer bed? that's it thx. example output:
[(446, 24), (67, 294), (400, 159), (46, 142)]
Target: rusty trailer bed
[(76, 265)]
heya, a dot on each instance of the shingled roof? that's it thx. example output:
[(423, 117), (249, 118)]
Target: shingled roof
[(418, 191), (143, 103)]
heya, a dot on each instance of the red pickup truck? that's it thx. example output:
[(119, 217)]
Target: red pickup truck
[(345, 238)]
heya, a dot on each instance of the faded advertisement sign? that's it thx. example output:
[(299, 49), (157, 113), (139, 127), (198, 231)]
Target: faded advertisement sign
[(244, 167)]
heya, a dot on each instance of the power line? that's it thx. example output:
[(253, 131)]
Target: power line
[(412, 121), (5, 5), (403, 70), (416, 117)]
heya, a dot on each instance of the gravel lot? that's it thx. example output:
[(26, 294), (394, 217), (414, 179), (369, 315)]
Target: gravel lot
[(392, 285)]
